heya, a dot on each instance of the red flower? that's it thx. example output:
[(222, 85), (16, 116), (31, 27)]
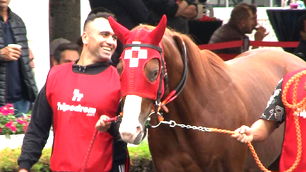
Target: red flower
[(21, 121), (7, 109), (11, 126)]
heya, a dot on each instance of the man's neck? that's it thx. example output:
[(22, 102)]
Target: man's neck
[(4, 13), (88, 59)]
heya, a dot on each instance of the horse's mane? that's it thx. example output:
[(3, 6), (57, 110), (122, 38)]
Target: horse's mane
[(203, 64)]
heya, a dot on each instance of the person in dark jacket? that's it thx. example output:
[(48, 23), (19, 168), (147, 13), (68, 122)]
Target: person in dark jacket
[(131, 13), (16, 77), (178, 13), (243, 20), (77, 100)]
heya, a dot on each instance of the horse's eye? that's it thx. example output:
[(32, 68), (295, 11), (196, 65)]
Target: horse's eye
[(152, 70), (154, 75)]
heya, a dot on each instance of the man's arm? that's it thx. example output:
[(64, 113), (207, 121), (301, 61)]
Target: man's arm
[(272, 117), (260, 34), (37, 133), (260, 130)]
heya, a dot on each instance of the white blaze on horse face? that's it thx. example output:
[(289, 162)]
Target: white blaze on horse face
[(139, 54), (130, 127)]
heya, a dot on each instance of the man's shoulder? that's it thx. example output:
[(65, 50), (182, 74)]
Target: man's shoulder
[(14, 16), (225, 33), (59, 69), (15, 19), (230, 30)]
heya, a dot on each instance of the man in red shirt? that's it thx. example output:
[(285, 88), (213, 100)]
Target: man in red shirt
[(76, 100), (287, 104)]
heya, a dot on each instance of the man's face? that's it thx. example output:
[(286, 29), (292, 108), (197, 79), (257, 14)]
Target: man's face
[(250, 23), (100, 39), (69, 56)]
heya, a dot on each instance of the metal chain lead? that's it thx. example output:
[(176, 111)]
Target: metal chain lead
[(172, 123)]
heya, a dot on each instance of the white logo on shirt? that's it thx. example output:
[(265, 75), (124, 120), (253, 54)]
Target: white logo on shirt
[(77, 96)]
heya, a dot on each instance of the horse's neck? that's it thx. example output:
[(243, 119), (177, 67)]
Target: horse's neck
[(207, 79), (208, 72)]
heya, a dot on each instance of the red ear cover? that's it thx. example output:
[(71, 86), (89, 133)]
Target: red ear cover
[(119, 30), (159, 31)]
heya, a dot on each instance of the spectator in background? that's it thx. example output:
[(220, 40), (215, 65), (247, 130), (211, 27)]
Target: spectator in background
[(17, 79), (243, 20), (65, 53), (130, 13), (178, 12), (53, 45), (301, 49)]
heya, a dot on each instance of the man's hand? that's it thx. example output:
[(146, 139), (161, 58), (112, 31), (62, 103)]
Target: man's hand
[(9, 53), (102, 124), (190, 12), (181, 6), (261, 33), (243, 134)]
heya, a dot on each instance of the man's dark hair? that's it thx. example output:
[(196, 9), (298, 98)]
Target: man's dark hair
[(98, 13), (63, 47), (240, 12), (252, 7)]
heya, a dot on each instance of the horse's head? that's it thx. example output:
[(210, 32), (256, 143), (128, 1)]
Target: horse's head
[(141, 68)]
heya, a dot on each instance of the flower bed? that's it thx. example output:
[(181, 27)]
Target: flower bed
[(10, 124)]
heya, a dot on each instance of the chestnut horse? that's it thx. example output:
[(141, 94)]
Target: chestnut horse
[(216, 94)]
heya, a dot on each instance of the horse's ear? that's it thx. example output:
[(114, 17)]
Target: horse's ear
[(159, 31), (121, 31)]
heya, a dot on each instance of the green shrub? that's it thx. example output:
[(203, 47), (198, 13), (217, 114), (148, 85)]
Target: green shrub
[(8, 158), (140, 151)]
